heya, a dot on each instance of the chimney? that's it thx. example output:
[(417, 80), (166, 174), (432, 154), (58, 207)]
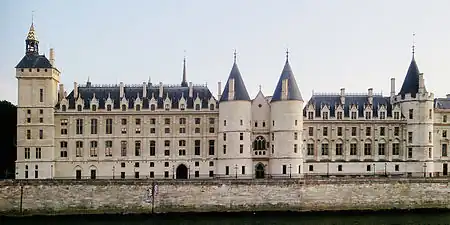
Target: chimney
[(284, 89), (75, 90), (219, 90), (121, 90), (144, 90), (191, 90), (342, 96), (370, 94), (231, 89), (161, 89), (392, 87), (61, 92), (421, 84), (52, 56)]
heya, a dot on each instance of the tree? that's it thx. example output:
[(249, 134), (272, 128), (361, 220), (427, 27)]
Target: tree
[(8, 150)]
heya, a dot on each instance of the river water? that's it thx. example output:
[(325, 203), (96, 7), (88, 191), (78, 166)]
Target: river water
[(413, 218)]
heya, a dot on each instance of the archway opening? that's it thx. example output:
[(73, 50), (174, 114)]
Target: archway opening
[(182, 172), (260, 171)]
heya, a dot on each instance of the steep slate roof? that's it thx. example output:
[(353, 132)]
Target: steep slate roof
[(34, 61), (240, 92), (442, 103), (411, 82), (360, 100), (293, 90), (131, 93)]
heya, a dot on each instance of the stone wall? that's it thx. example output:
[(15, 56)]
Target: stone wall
[(71, 197)]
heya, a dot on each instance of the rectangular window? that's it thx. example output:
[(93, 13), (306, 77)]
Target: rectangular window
[(444, 150), (137, 148), (325, 115), (354, 116), (79, 149), (367, 149), (93, 126), (38, 153), (353, 149), (310, 148), (382, 131), (295, 136), (152, 148), (41, 95), (79, 126), (108, 148), (41, 134), (241, 136), (109, 126), (211, 147), (411, 113), (227, 170), (339, 116), (27, 153), (295, 148), (396, 115), (339, 131), (284, 169), (325, 131), (410, 137), (353, 131), (28, 134), (395, 149), (311, 131), (123, 148), (368, 131), (382, 115), (324, 148), (339, 149), (396, 131), (241, 148), (381, 148), (243, 170), (224, 149), (410, 152), (197, 147), (167, 121), (430, 137), (310, 115), (93, 149)]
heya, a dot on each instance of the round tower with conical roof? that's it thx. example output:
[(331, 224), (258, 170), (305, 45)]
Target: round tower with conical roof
[(234, 158), (286, 114), (416, 105)]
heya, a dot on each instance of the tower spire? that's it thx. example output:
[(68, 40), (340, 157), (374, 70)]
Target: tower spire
[(414, 44), (234, 55), (184, 82), (32, 43), (287, 54)]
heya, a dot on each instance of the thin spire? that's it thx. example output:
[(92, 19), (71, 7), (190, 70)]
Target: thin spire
[(260, 87), (184, 82), (414, 44), (235, 53), (287, 54)]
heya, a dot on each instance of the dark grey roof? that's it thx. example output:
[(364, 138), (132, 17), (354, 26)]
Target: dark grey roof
[(442, 103), (34, 61), (132, 92), (411, 82), (293, 90), (240, 92), (360, 100)]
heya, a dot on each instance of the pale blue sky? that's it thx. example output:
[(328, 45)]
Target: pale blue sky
[(336, 43)]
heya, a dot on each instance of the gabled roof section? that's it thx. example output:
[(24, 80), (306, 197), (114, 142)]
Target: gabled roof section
[(293, 90), (240, 92), (411, 82), (34, 61)]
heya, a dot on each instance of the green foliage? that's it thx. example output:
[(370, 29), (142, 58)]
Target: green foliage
[(8, 113)]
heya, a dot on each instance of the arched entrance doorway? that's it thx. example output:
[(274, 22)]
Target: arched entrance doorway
[(182, 172), (260, 173)]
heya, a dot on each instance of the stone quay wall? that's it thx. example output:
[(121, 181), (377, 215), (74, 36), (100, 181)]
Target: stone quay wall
[(53, 197)]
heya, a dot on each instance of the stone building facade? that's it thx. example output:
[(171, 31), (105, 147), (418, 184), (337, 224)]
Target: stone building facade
[(183, 131)]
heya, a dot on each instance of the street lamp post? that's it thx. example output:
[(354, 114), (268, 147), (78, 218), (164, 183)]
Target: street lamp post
[(51, 171), (374, 169), (235, 170), (385, 169), (424, 169), (113, 171), (189, 171), (173, 171)]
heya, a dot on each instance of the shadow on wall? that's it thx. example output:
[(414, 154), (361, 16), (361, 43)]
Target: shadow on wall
[(8, 115)]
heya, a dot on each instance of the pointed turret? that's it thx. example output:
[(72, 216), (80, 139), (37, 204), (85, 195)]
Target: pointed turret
[(235, 87), (184, 82), (32, 43), (32, 59), (411, 82), (287, 88)]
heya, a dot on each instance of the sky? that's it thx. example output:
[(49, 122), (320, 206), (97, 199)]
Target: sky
[(333, 44)]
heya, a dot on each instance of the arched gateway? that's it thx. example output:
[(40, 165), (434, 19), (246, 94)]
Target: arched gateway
[(182, 172), (260, 171)]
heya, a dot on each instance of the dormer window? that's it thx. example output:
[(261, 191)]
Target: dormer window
[(124, 107), (167, 107), (138, 107), (325, 115), (94, 108), (182, 106), (339, 115), (197, 107), (152, 107), (354, 115), (108, 107), (310, 115), (382, 115), (63, 108), (79, 108), (211, 107), (396, 115), (368, 115)]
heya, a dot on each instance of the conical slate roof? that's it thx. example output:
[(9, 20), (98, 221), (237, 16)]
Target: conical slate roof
[(240, 92), (411, 82), (293, 90)]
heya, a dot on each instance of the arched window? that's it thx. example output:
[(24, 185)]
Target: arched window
[(259, 143), (152, 107)]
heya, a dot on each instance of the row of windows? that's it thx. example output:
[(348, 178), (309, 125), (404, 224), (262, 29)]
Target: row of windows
[(137, 174), (339, 149), (137, 107), (40, 136), (93, 148), (36, 172), (368, 168), (256, 123), (41, 114), (340, 131), (166, 164), (353, 115)]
